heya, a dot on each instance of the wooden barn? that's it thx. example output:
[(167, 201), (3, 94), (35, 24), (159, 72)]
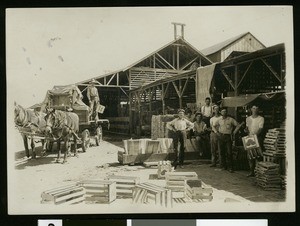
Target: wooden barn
[(232, 47), (240, 80), (114, 88)]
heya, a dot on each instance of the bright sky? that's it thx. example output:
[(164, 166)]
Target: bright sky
[(47, 47)]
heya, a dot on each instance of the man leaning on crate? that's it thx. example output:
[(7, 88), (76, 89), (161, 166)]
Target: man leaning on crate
[(179, 126)]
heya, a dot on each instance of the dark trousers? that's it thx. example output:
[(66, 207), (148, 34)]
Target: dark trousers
[(206, 120), (179, 139), (215, 148), (226, 151)]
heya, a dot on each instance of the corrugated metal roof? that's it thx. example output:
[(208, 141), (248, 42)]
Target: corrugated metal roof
[(222, 45)]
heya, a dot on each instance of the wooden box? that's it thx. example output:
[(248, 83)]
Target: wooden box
[(195, 191), (147, 193), (124, 185), (175, 181), (69, 194), (99, 191)]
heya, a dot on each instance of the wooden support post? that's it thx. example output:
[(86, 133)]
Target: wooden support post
[(163, 98), (173, 56), (236, 87), (130, 113), (177, 49), (117, 78), (129, 79), (180, 96), (154, 65)]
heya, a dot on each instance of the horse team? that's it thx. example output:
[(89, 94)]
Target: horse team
[(54, 125)]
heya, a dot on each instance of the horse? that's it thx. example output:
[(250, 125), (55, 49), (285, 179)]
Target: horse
[(64, 126), (34, 122)]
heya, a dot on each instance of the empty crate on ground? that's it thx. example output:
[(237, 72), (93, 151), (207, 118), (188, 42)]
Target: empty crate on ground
[(68, 194), (151, 193), (196, 191), (124, 185), (99, 191), (268, 176), (175, 181)]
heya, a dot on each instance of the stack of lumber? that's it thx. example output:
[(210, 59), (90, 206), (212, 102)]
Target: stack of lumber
[(69, 194), (275, 149), (99, 191), (124, 185), (176, 182), (158, 125), (162, 168), (151, 193), (195, 191), (267, 176)]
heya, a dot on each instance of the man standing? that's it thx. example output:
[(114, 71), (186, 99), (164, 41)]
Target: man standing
[(93, 96), (179, 126), (214, 140), (200, 130), (226, 125), (206, 111), (254, 126)]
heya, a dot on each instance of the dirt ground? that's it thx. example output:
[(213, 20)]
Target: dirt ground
[(30, 178)]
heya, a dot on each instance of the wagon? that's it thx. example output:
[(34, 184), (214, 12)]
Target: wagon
[(69, 98)]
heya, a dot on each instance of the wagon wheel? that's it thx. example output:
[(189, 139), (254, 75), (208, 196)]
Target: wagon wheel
[(85, 138), (98, 136)]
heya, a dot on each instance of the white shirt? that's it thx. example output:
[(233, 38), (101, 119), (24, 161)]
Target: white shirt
[(213, 121), (254, 124), (180, 124), (206, 111)]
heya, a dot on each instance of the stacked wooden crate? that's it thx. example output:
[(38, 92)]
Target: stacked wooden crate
[(274, 145), (99, 191), (124, 185), (151, 193), (197, 192), (158, 125), (68, 194), (268, 176), (175, 181)]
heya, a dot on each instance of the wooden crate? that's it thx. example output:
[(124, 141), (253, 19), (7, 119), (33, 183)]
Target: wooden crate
[(175, 181), (194, 190), (124, 185), (69, 194), (152, 146), (151, 193), (99, 191)]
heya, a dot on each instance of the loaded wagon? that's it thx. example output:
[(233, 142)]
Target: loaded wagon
[(69, 98)]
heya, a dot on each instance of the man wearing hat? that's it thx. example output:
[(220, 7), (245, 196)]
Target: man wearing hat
[(93, 96), (179, 126)]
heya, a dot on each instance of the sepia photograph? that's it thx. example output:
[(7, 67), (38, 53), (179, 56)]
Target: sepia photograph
[(129, 110)]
